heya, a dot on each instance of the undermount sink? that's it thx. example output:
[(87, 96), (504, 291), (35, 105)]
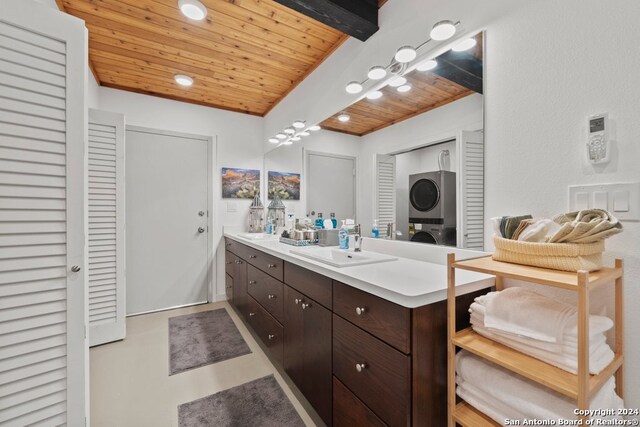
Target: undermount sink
[(341, 257), (255, 236)]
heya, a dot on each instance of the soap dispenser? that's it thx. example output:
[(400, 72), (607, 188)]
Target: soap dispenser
[(334, 221), (375, 232), (343, 236), (319, 221)]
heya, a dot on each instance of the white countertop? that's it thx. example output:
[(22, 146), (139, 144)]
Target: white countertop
[(410, 282)]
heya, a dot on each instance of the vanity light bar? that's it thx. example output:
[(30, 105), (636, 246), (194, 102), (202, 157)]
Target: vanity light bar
[(293, 133)]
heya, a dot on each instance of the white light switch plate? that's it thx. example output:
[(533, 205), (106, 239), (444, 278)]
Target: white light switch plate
[(622, 200)]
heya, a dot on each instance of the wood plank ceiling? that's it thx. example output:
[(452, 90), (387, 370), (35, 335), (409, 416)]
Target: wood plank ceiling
[(428, 91), (246, 56)]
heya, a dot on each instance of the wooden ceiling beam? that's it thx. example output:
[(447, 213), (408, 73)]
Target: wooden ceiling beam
[(61, 8), (461, 68), (358, 18)]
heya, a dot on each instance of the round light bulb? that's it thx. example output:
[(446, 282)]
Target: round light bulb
[(353, 87), (296, 138), (314, 128), (344, 118), (397, 81), (183, 80), (405, 54), (427, 65), (298, 124), (274, 140), (289, 131), (192, 9), (305, 133), (443, 30), (377, 72), (465, 44), (374, 94), (404, 88), (281, 135)]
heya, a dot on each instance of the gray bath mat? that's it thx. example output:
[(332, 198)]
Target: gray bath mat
[(203, 338), (259, 403)]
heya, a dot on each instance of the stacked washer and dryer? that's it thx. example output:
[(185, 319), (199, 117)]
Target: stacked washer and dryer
[(432, 208)]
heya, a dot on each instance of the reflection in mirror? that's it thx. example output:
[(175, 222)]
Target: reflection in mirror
[(420, 155)]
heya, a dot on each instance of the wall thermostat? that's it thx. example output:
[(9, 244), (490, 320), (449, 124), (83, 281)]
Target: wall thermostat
[(598, 142)]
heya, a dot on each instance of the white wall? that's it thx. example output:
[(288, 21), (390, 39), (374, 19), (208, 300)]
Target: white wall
[(550, 64), (239, 144)]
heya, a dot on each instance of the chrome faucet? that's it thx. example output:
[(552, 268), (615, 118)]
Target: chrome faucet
[(357, 238)]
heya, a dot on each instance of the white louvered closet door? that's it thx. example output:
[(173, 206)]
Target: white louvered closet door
[(471, 190), (385, 211), (106, 227), (42, 132)]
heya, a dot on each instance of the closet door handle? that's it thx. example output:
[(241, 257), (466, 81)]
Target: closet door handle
[(76, 268)]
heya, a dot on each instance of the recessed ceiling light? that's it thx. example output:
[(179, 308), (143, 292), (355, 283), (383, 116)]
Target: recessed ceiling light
[(183, 80), (298, 124), (344, 117), (376, 72), (404, 88), (314, 128), (274, 140), (464, 45), (374, 94), (353, 87), (397, 81), (443, 30), (427, 65), (296, 138), (192, 9), (305, 133), (289, 131), (281, 135), (405, 54)]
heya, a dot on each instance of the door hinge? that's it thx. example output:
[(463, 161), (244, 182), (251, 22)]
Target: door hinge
[(85, 332)]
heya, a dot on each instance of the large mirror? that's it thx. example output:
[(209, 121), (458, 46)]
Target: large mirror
[(411, 161)]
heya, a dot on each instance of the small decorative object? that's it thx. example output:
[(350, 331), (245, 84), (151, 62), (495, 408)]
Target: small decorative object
[(240, 183), (286, 185), (275, 213), (256, 216)]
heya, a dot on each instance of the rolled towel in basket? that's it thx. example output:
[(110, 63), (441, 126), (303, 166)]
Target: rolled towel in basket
[(586, 226)]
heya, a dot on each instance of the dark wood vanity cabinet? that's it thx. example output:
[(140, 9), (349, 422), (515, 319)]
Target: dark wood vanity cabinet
[(307, 349), (236, 271)]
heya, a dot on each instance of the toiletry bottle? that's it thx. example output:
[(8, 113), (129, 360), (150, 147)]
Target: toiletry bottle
[(343, 236), (375, 233), (334, 220), (319, 221)]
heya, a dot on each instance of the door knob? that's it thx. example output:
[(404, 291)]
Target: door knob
[(75, 268), (200, 213), (201, 230)]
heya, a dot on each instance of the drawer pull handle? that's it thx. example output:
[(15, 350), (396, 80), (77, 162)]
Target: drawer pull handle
[(361, 367), (271, 336), (251, 314), (253, 256), (229, 262), (297, 301), (360, 310), (252, 282), (238, 262), (305, 306), (271, 296), (271, 266), (228, 244)]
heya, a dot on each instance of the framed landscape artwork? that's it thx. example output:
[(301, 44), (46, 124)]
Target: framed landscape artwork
[(240, 183), (286, 185)]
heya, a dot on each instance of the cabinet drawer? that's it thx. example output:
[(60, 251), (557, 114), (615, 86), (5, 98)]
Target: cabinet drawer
[(267, 328), (388, 321), (349, 411), (230, 263), (383, 383), (267, 291), (228, 287), (271, 265), (313, 285), (233, 246)]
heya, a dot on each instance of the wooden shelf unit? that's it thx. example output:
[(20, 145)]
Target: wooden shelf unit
[(580, 387)]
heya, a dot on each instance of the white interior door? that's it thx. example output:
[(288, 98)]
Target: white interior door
[(106, 249), (385, 203), (43, 126), (331, 185), (166, 190), (470, 194)]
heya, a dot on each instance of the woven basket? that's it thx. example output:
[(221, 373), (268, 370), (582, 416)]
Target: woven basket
[(557, 256)]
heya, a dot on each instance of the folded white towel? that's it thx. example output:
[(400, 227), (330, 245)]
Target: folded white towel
[(479, 400), (522, 311), (597, 326), (532, 400), (538, 231)]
